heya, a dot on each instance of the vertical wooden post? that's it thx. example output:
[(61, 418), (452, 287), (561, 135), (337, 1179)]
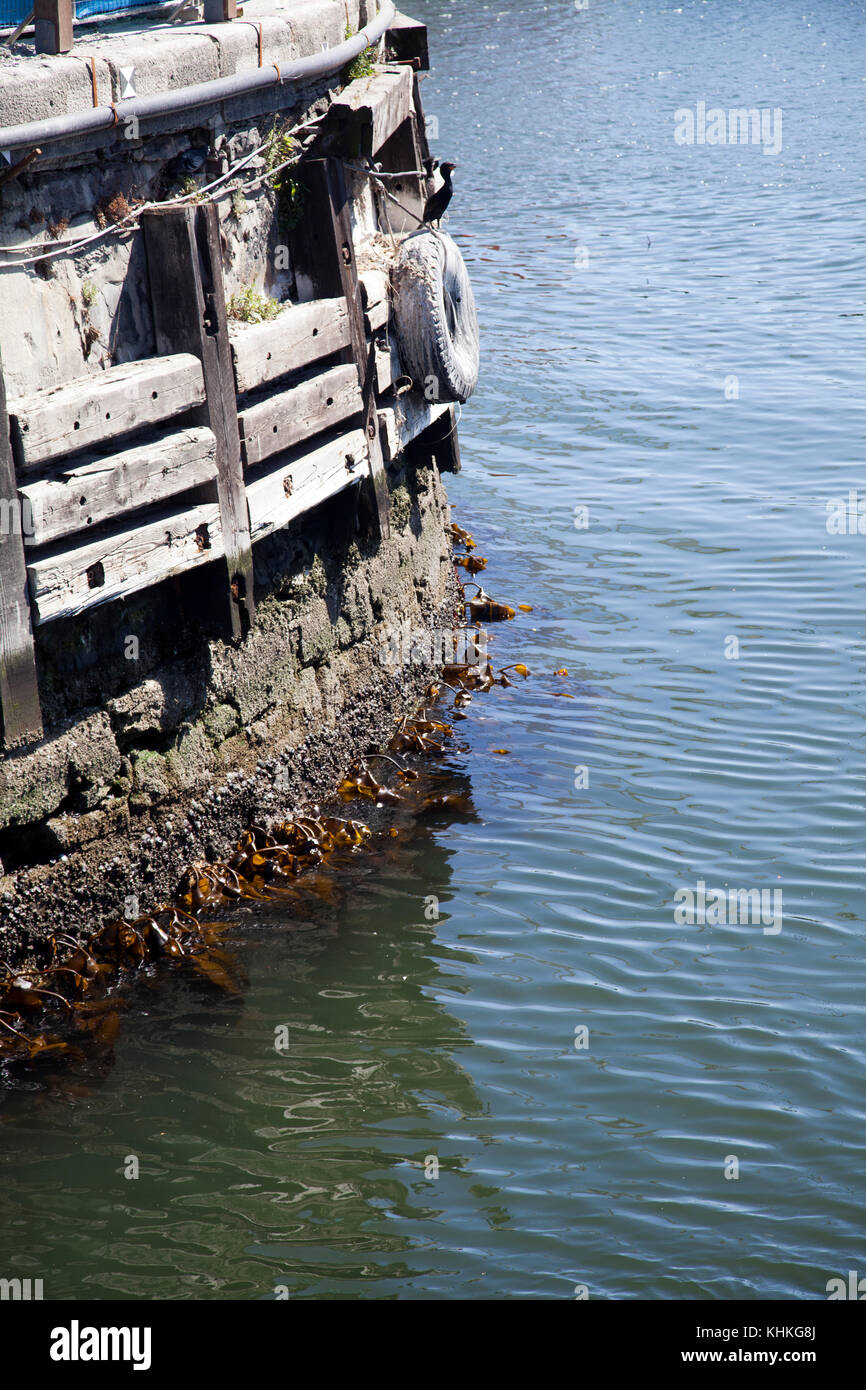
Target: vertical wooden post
[(218, 11), (19, 692), (328, 253), (438, 444), (420, 119), (401, 151), (189, 315), (53, 25)]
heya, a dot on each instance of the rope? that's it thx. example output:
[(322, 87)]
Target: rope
[(403, 174), (121, 228), (408, 211), (129, 223)]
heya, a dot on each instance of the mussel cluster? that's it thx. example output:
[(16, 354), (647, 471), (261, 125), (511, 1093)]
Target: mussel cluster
[(51, 1010)]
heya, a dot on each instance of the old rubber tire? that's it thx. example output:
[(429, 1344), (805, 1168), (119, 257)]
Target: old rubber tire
[(434, 317)]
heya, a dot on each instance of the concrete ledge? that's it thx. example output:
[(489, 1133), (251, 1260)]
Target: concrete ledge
[(163, 61), (36, 89), (166, 57)]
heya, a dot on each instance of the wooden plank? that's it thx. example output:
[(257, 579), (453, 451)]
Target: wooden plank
[(420, 121), (389, 430), (388, 366), (52, 25), (273, 425), (19, 690), (438, 444), (297, 337), (330, 252), (407, 40), (377, 317), (375, 288), (188, 301), (103, 489), (368, 111), (301, 483), (405, 417), (446, 445), (97, 408), (115, 566), (376, 299)]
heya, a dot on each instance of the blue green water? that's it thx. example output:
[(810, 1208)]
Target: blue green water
[(673, 339)]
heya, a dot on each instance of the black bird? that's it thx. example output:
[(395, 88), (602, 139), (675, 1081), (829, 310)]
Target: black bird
[(437, 202)]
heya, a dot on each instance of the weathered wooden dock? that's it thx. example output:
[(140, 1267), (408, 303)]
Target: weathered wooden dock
[(158, 467)]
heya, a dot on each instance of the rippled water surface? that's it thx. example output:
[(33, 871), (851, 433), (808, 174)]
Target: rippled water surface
[(673, 339)]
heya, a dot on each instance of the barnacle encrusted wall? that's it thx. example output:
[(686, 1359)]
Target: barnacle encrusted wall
[(145, 776)]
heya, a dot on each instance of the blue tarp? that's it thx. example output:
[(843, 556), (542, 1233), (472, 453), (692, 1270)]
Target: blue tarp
[(13, 11)]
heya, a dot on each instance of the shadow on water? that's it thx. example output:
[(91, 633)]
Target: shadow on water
[(285, 1138)]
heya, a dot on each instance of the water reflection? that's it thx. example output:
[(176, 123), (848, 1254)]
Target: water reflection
[(296, 1168)]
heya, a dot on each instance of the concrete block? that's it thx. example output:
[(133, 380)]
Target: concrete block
[(36, 89), (163, 62)]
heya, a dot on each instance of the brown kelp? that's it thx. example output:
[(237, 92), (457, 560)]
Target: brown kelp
[(74, 1001)]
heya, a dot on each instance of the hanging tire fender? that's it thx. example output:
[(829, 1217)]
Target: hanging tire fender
[(435, 322)]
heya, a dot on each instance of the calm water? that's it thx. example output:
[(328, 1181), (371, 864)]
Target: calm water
[(622, 281)]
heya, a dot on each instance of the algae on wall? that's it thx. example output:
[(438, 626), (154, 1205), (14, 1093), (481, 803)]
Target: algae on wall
[(176, 764)]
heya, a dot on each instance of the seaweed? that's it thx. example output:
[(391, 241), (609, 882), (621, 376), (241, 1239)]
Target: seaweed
[(74, 1002)]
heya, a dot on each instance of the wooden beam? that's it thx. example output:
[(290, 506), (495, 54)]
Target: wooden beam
[(375, 286), (105, 489), (277, 423), (53, 20), (19, 690), (301, 483), (403, 418), (377, 317), (189, 313), (327, 253), (420, 120), (115, 566), (388, 365), (438, 443), (297, 337), (407, 39), (367, 112), (220, 11), (94, 409)]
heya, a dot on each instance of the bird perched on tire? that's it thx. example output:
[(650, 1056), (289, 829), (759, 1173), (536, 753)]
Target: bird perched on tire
[(435, 206)]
